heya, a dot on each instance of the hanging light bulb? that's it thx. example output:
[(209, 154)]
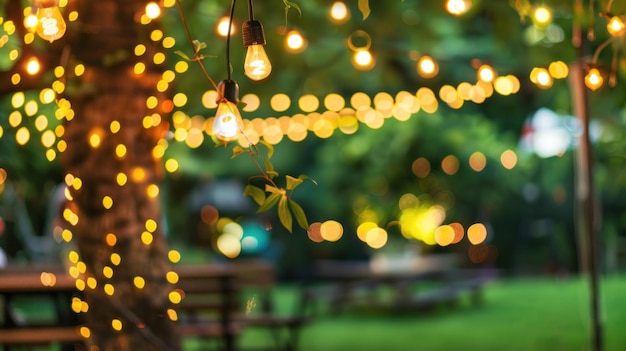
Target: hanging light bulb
[(363, 60), (593, 79), (51, 25), (458, 7), (295, 42), (339, 12), (222, 27), (227, 123), (616, 26), (257, 65), (542, 16), (33, 66), (153, 10)]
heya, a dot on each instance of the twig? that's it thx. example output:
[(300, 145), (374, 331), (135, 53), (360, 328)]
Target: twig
[(190, 39)]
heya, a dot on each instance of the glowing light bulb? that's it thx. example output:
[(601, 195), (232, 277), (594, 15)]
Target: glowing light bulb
[(51, 24), (339, 12), (222, 27), (33, 66), (542, 16), (31, 22), (593, 79), (541, 77), (295, 41), (427, 67), (257, 65), (458, 7), (363, 60), (486, 73), (153, 10), (616, 27), (227, 122)]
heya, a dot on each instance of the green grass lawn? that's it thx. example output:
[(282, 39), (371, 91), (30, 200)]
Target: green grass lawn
[(519, 315)]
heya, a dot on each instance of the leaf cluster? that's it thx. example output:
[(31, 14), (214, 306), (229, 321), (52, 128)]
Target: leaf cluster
[(269, 194)]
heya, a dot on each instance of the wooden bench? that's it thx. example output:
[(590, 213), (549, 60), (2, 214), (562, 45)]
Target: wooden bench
[(219, 301), (28, 284), (449, 288), (360, 286), (221, 306)]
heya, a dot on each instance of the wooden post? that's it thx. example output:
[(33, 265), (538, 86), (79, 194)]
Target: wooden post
[(587, 222)]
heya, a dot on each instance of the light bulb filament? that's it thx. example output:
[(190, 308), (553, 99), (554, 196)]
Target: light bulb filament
[(50, 26), (258, 67)]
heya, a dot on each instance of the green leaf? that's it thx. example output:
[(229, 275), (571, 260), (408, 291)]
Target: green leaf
[(306, 177), (284, 214), (198, 45), (292, 182), (183, 55), (269, 167), (274, 190), (257, 194), (364, 7), (270, 148), (290, 4), (237, 150), (299, 213), (269, 202)]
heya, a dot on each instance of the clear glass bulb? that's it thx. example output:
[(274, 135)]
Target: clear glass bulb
[(227, 122), (51, 24), (257, 65)]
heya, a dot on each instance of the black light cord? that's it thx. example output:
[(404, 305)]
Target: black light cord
[(250, 10), (230, 25)]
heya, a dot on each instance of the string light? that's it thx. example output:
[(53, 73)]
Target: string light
[(51, 25), (227, 122), (616, 27), (257, 65), (295, 42), (363, 59), (593, 79), (542, 16), (222, 27), (339, 12), (458, 7), (427, 67), (486, 73), (33, 66), (153, 10)]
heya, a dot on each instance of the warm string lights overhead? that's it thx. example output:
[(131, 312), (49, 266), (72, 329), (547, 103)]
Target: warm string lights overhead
[(544, 30), (227, 123), (319, 117)]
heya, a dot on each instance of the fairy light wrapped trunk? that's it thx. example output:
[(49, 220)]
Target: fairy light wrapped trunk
[(114, 175)]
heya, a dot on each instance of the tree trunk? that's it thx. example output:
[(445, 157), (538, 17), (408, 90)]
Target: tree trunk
[(109, 91)]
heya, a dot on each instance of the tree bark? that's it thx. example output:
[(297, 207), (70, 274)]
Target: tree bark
[(103, 40)]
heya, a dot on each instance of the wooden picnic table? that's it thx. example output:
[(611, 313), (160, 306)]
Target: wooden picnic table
[(411, 283)]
